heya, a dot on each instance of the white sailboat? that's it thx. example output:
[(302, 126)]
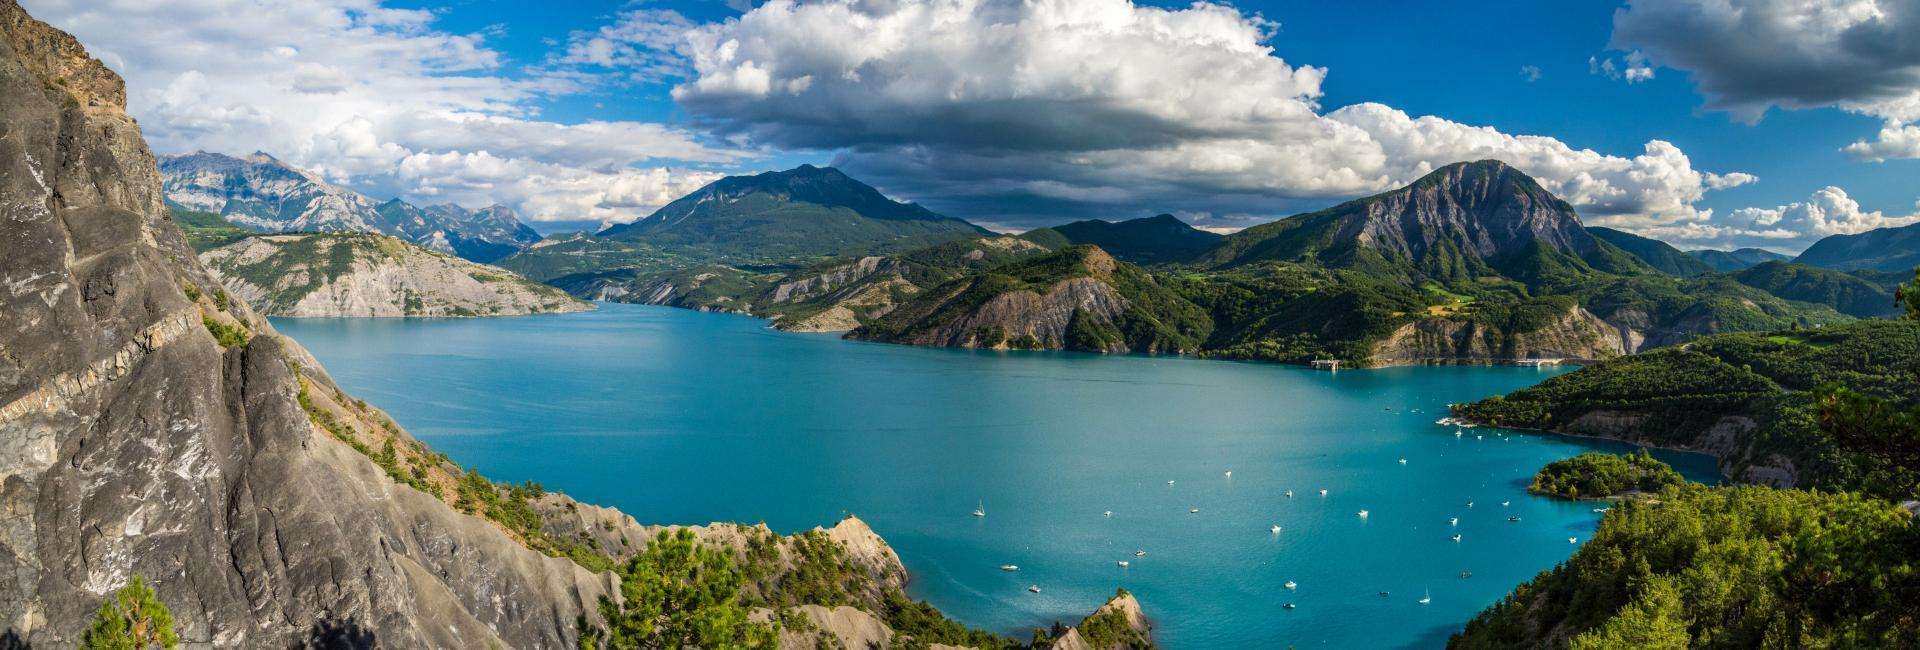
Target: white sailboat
[(1428, 598), (980, 510), (1291, 585)]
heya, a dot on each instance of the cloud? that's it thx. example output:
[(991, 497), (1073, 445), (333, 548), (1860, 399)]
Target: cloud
[(1531, 73), (1748, 56), (1790, 227), (1043, 107), (1634, 70), (355, 90)]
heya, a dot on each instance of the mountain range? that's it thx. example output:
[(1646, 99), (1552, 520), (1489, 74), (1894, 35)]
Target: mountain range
[(1891, 250), (260, 193), (1161, 239), (1734, 260)]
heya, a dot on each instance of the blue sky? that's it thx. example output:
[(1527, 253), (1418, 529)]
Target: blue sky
[(1227, 115)]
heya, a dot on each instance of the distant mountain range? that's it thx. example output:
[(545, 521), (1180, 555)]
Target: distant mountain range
[(1657, 254), (260, 193), (368, 275), (1161, 239), (1894, 250), (1734, 260)]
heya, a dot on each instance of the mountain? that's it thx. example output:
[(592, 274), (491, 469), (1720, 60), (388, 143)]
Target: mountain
[(1161, 239), (1734, 260), (1886, 249), (1461, 222), (263, 194), (802, 212), (1846, 293), (1657, 254), (1080, 298), (153, 430), (367, 275)]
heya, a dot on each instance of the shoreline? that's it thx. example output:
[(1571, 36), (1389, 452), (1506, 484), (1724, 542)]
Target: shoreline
[(1717, 460)]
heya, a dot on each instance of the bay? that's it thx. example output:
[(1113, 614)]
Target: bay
[(677, 416)]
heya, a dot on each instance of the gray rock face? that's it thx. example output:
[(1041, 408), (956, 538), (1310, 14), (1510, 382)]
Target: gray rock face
[(365, 275), (132, 443), (1577, 335), (261, 193)]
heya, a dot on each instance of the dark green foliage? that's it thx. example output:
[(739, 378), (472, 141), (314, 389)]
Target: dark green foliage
[(922, 626), (1734, 260), (1679, 394), (678, 593), (132, 618), (205, 230), (227, 335), (192, 292), (1657, 254), (1161, 239), (1845, 293), (1883, 249), (1909, 297), (1743, 567), (1594, 475)]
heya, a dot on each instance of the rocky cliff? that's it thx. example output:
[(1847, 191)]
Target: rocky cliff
[(151, 429), (1078, 299), (364, 275), (1576, 335)]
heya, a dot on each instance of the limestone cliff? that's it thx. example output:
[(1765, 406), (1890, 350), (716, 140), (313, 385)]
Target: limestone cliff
[(1117, 625), (366, 275), (1576, 335)]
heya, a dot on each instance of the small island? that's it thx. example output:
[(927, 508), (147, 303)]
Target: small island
[(1595, 475)]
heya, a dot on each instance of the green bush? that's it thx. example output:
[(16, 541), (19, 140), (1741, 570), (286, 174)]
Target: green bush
[(678, 594), (133, 618), (1593, 475), (228, 336)]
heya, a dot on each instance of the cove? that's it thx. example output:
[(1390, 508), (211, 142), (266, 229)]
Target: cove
[(677, 416)]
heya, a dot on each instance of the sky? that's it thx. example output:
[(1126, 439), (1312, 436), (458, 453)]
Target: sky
[(1706, 123)]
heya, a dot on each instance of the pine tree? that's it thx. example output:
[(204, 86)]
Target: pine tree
[(133, 618)]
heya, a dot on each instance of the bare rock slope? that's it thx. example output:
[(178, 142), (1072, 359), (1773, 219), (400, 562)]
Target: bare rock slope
[(367, 275)]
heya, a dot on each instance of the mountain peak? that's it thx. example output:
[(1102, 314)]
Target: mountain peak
[(803, 197)]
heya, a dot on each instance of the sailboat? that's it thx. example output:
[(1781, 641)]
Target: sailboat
[(1276, 529), (1291, 585), (1323, 492), (1456, 537), (1363, 514), (1427, 598), (1403, 461), (1453, 522), (1289, 494), (1123, 564), (980, 510), (1229, 473)]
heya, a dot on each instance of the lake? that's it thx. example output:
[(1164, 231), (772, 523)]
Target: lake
[(677, 416)]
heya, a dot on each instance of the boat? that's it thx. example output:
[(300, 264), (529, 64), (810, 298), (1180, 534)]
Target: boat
[(1514, 518), (1009, 567), (1469, 503), (1192, 510), (1291, 585), (1403, 461), (1504, 504), (1123, 564), (1384, 594), (1466, 574), (1229, 473), (1169, 482), (1457, 433), (1289, 494), (980, 510), (1479, 437), (1139, 553), (1323, 492), (1573, 540), (1428, 598), (1287, 606), (1033, 588), (1363, 514), (1456, 537), (1276, 529), (1453, 522), (1108, 513), (1601, 509)]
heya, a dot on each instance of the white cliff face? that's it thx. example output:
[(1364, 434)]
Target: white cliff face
[(372, 276)]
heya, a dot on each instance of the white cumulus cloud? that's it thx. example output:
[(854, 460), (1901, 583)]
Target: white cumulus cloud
[(1789, 227), (1008, 106), (361, 92)]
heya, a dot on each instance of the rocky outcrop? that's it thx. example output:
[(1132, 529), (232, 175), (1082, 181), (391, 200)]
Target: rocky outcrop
[(364, 275), (1117, 625), (1577, 335)]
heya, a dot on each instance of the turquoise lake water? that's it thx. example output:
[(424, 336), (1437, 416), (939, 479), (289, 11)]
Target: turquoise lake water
[(683, 417)]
